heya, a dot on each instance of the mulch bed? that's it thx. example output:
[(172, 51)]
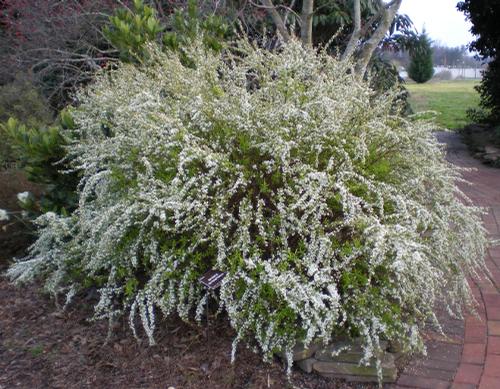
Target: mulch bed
[(42, 346)]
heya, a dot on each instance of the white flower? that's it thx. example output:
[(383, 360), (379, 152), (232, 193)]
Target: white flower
[(4, 215), (327, 211), (23, 197)]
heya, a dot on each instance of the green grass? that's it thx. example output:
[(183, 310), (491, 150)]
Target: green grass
[(450, 99), (36, 351)]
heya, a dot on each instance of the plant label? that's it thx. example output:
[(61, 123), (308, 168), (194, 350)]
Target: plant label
[(212, 279)]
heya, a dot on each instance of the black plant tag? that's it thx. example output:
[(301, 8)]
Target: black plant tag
[(212, 279)]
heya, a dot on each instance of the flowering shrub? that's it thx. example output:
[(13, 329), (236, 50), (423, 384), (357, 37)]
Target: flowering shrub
[(331, 215)]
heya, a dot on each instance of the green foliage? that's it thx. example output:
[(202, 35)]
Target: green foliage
[(21, 99), (131, 29), (328, 211), (421, 68), (479, 115), (41, 152), (385, 76), (189, 24), (484, 16)]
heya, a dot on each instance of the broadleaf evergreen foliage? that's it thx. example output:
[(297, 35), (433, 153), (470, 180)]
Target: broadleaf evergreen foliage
[(331, 214), (421, 68), (484, 16), (20, 99), (41, 151), (132, 29)]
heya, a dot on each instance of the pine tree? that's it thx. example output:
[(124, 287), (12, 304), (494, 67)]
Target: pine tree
[(421, 68)]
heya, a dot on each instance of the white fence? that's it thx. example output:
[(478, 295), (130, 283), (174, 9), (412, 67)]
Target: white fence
[(467, 73)]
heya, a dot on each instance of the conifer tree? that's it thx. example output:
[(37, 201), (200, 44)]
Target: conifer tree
[(421, 68)]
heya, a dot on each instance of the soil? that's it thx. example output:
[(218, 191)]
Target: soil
[(42, 346)]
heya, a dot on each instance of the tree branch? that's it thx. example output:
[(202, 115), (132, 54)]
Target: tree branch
[(307, 19), (388, 13), (356, 33), (280, 25)]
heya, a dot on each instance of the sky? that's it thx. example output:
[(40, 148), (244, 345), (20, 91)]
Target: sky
[(442, 21)]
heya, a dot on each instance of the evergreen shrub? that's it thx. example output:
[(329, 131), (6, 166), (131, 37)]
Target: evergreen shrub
[(41, 153), (21, 99), (331, 214), (421, 68)]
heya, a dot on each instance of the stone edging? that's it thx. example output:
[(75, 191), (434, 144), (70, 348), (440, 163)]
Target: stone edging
[(342, 359)]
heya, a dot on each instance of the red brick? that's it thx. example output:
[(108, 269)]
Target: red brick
[(489, 383), (489, 219), (469, 374), (430, 372), (493, 313), (491, 300), (479, 320), (474, 289), (450, 366), (474, 353), (492, 367), (444, 351), (490, 264), (493, 345), (488, 216), (494, 252), (422, 382), (488, 288), (495, 276), (491, 228), (493, 328), (475, 334)]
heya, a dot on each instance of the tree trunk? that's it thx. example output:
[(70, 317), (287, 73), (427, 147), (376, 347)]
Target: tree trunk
[(356, 33), (280, 25), (388, 14), (307, 19)]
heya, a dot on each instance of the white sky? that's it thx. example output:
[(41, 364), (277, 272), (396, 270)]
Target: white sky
[(443, 22)]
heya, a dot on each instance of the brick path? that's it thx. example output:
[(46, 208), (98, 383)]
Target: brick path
[(469, 357)]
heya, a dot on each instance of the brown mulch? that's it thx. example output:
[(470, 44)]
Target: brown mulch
[(14, 235), (42, 346)]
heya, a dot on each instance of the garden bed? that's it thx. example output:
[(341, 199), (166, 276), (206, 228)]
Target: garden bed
[(42, 346)]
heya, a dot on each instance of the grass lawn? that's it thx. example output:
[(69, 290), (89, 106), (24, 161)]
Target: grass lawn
[(451, 99)]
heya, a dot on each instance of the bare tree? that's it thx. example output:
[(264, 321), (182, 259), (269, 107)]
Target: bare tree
[(307, 20), (60, 43), (364, 39), (386, 16), (277, 19)]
